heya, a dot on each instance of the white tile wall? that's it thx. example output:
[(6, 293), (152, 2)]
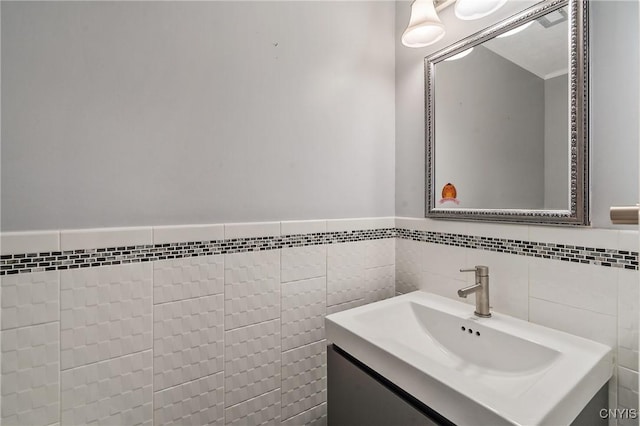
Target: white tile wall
[(199, 402), (29, 299), (131, 336), (202, 339), (74, 239), (317, 416), (258, 411), (188, 340), (252, 288), (118, 391), (252, 361), (185, 278), (29, 242), (299, 263), (304, 306), (628, 307), (304, 378), (30, 375), (106, 312)]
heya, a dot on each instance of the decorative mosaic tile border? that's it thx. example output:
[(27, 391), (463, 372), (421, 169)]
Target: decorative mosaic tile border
[(85, 258), (564, 252)]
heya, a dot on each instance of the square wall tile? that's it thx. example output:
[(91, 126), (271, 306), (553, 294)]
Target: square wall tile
[(75, 239), (588, 324), (187, 233), (345, 272), (380, 253), (263, 410), (316, 416), (304, 378), (29, 299), (114, 392), (379, 283), (200, 402), (303, 311), (179, 279), (408, 265), (188, 340), (357, 224), (251, 229), (105, 313), (445, 260), (628, 307), (29, 242), (30, 375), (252, 361), (301, 227), (444, 286), (252, 288), (300, 263), (588, 287)]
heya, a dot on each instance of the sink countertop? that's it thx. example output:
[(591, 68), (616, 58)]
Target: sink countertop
[(474, 371)]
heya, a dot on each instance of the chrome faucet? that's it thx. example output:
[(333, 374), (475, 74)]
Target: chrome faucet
[(480, 288)]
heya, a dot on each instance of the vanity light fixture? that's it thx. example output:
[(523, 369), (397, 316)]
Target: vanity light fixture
[(425, 27)]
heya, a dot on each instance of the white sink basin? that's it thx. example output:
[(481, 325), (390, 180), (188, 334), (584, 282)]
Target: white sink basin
[(474, 371)]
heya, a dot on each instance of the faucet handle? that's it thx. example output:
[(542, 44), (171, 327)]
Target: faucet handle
[(478, 269)]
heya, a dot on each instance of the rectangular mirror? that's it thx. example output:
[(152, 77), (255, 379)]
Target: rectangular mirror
[(506, 122)]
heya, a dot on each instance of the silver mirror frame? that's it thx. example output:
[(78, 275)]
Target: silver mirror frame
[(578, 212)]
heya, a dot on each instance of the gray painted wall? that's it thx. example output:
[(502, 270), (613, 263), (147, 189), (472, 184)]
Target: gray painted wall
[(143, 113), (614, 105), (489, 111), (556, 143)]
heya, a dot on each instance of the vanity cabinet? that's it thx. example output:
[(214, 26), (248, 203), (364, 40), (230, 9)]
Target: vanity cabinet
[(357, 395)]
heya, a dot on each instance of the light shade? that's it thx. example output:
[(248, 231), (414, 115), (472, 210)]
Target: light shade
[(424, 26), (475, 9)]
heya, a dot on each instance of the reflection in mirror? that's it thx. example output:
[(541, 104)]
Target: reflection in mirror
[(499, 140)]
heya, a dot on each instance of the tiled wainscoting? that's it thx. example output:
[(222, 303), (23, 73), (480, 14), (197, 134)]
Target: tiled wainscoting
[(234, 338), (224, 324), (595, 299)]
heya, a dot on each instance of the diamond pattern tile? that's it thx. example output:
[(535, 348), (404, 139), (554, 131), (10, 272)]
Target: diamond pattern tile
[(303, 311), (304, 378), (252, 288), (300, 263), (262, 410), (30, 370), (316, 416), (345, 272), (380, 283), (188, 277), (188, 340), (29, 299), (409, 261), (105, 313), (114, 392), (200, 402), (252, 361)]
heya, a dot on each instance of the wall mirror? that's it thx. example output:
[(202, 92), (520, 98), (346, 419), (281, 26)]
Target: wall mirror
[(507, 120)]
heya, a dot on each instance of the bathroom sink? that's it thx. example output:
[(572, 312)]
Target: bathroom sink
[(471, 370)]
